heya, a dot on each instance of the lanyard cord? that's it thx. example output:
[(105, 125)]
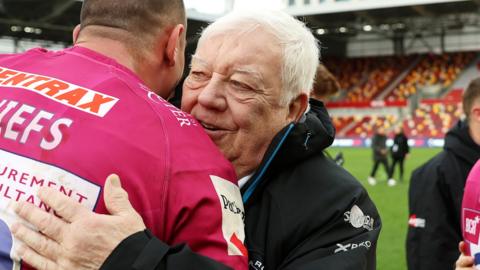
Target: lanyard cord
[(257, 181)]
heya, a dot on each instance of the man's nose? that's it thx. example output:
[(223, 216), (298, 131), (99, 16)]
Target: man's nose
[(212, 95)]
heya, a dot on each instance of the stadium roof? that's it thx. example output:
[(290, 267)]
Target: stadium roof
[(390, 17), (55, 19)]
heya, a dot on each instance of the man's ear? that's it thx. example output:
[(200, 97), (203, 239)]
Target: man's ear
[(76, 33), (298, 107), (174, 44), (475, 114)]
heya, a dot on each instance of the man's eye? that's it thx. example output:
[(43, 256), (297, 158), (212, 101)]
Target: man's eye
[(240, 85), (198, 75)]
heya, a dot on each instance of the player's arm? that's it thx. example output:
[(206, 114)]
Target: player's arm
[(142, 250), (83, 240)]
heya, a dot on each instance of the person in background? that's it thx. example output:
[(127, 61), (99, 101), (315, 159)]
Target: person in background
[(436, 192), (325, 86), (380, 155), (398, 151), (302, 211)]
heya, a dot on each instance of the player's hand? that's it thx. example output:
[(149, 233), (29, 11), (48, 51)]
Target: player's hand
[(81, 239), (464, 262)]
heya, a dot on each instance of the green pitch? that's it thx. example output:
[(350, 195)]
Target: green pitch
[(392, 202)]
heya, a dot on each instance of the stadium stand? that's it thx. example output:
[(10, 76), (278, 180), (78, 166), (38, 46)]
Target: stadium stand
[(366, 126), (432, 120), (362, 79), (382, 81), (436, 72)]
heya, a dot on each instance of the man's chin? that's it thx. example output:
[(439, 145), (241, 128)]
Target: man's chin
[(216, 135)]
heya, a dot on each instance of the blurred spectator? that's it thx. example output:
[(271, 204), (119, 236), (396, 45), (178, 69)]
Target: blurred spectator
[(326, 84), (380, 154), (398, 151), (436, 191)]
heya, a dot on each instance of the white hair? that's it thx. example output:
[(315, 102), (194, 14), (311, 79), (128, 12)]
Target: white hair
[(301, 52)]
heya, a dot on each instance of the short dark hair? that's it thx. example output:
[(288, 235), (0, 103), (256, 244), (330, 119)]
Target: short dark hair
[(325, 83), (470, 95), (139, 17)]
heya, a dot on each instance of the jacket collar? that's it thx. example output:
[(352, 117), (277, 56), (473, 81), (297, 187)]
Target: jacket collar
[(293, 144)]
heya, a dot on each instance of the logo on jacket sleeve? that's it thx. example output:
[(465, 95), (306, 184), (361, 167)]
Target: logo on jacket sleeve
[(233, 214), (351, 246), (416, 222), (358, 219)]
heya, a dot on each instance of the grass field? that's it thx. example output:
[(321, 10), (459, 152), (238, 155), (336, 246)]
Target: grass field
[(392, 202)]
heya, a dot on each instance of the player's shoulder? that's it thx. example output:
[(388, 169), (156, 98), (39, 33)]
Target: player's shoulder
[(431, 168)]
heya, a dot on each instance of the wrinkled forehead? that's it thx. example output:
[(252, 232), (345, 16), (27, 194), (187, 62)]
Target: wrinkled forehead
[(254, 50)]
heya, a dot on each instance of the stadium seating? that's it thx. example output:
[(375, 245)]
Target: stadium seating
[(428, 121), (342, 122), (432, 70), (362, 79), (366, 126), (432, 121)]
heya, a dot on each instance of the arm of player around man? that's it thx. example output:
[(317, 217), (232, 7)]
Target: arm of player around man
[(83, 240)]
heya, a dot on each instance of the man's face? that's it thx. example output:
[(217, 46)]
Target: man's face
[(234, 90)]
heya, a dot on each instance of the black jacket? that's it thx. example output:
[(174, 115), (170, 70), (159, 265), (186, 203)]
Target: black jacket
[(302, 212), (435, 200), (379, 146), (400, 147)]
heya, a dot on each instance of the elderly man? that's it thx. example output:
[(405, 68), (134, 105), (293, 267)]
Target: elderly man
[(248, 87)]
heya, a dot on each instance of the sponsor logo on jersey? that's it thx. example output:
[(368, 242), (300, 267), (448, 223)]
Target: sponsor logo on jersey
[(416, 222), (358, 219), (68, 94), (233, 214), (471, 221), (50, 127), (20, 179), (183, 118)]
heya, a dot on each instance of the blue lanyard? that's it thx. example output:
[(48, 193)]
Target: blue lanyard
[(257, 181)]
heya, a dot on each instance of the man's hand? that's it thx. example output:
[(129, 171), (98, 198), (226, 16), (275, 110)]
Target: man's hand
[(464, 262), (81, 239)]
